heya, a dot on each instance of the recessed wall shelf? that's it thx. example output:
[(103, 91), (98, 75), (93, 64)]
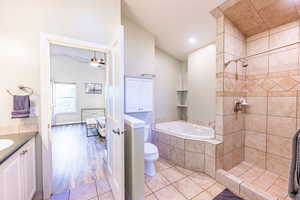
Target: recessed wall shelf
[(182, 106)]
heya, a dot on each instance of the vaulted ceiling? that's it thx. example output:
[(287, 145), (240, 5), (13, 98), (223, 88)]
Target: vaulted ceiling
[(174, 22)]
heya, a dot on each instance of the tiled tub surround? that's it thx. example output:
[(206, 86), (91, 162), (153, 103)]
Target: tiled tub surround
[(197, 155)]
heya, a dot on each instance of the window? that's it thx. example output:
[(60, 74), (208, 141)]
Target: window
[(64, 98)]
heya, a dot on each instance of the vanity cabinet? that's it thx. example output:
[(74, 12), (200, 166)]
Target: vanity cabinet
[(18, 174), (138, 95)]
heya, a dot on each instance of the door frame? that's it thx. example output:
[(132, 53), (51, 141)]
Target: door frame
[(46, 40)]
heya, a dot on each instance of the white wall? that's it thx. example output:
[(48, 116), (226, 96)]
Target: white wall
[(20, 25), (68, 70), (139, 49), (141, 57), (168, 80), (202, 84)]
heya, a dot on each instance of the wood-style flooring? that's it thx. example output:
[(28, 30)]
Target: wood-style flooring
[(76, 159)]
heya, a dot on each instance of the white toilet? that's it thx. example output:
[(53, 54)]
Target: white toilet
[(150, 154)]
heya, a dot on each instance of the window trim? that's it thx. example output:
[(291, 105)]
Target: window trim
[(54, 98)]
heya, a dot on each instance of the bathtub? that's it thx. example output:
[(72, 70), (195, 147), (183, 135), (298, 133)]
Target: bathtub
[(188, 145), (186, 130)]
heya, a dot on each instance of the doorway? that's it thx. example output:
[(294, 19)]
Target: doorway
[(78, 119), (113, 153)]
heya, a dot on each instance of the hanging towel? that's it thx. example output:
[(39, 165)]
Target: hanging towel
[(21, 107), (294, 177)]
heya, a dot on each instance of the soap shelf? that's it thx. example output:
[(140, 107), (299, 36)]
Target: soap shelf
[(182, 106)]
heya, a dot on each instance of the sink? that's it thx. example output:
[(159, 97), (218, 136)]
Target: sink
[(5, 143)]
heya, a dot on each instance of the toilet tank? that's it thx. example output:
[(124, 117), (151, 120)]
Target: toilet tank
[(147, 132)]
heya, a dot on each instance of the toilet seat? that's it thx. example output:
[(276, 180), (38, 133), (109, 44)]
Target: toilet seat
[(150, 149)]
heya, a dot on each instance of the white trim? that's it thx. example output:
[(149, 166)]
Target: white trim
[(45, 91), (134, 122)]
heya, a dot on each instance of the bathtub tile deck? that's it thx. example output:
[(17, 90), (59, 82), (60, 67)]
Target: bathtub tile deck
[(181, 184)]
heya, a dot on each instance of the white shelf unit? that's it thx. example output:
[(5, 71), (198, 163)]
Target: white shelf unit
[(138, 95), (182, 103)]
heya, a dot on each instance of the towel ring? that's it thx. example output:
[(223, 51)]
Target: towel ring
[(23, 88)]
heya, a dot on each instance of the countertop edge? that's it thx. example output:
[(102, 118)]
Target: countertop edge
[(14, 149)]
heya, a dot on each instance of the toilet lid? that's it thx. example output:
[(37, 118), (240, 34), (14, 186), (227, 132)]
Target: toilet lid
[(150, 148)]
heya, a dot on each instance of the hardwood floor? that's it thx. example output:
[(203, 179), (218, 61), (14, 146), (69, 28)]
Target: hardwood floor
[(77, 159)]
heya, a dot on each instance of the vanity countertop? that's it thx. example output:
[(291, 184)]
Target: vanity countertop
[(19, 141)]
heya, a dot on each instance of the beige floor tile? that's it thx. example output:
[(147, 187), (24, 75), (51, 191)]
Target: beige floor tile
[(265, 180), (188, 188), (172, 174), (203, 196), (169, 193), (102, 186), (107, 196), (279, 188), (252, 174), (84, 192), (163, 164), (184, 171), (150, 197), (202, 180), (216, 189), (156, 182), (147, 190), (237, 171)]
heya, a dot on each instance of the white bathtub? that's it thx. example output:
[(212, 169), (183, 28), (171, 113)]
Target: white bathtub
[(186, 130)]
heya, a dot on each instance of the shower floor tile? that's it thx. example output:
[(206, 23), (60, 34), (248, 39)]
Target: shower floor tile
[(262, 179)]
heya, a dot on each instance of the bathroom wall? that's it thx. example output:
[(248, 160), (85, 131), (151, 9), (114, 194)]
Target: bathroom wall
[(142, 57), (69, 70), (168, 79), (230, 87), (139, 49), (21, 23), (272, 93), (201, 84)]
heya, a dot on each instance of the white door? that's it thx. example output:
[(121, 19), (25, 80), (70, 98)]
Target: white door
[(29, 170), (115, 116), (11, 179)]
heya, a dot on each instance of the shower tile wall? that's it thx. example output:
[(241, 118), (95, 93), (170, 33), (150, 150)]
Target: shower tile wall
[(231, 44), (272, 87)]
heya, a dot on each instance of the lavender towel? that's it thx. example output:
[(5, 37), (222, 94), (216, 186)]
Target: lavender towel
[(21, 107)]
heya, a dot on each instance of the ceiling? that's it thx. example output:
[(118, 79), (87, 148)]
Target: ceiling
[(81, 55), (256, 16), (173, 22)]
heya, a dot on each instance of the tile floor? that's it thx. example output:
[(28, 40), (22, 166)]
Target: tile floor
[(170, 183), (262, 179), (97, 190), (175, 183)]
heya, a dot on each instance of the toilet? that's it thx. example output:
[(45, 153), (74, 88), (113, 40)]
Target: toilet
[(150, 154)]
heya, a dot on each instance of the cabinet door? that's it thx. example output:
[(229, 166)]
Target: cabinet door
[(132, 95), (11, 178), (146, 95), (29, 170)]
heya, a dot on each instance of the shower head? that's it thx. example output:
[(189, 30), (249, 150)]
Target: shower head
[(245, 65)]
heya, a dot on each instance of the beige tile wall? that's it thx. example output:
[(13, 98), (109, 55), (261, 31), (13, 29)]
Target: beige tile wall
[(262, 135), (231, 44), (273, 81)]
